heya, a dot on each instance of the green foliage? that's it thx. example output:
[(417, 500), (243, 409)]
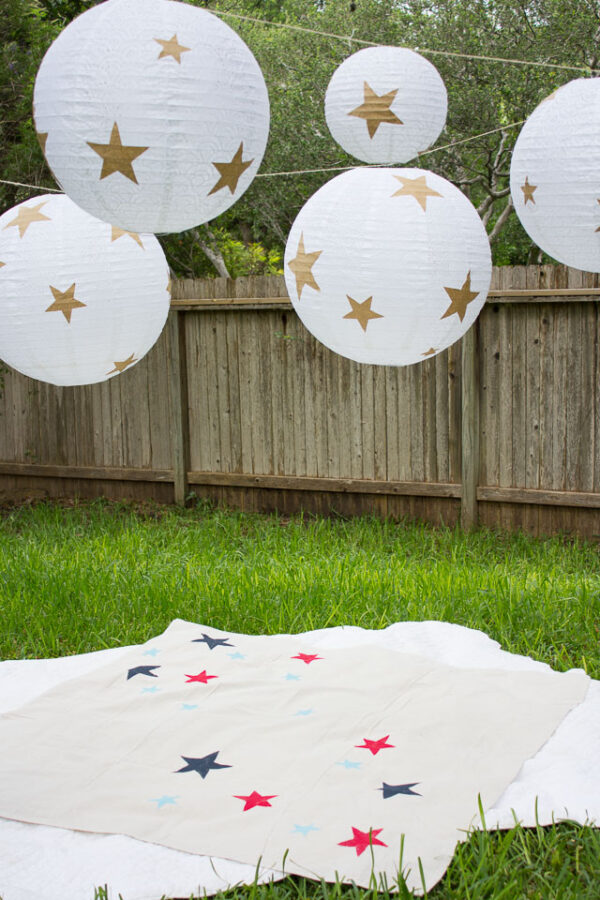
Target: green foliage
[(248, 259)]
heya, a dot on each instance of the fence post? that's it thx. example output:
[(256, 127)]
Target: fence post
[(179, 404), (469, 515)]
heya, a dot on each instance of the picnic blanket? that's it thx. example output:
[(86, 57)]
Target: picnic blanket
[(347, 761)]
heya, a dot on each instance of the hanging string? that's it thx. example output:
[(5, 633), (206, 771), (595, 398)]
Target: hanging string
[(35, 187), (448, 53)]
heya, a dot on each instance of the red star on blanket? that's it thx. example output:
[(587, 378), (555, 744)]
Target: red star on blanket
[(362, 839), (255, 799), (202, 677), (307, 657), (375, 746)]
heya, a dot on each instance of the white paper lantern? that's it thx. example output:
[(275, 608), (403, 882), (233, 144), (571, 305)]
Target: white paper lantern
[(386, 104), (388, 266), (555, 174), (80, 300), (153, 115)]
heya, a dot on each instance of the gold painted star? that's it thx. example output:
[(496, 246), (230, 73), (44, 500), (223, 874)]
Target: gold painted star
[(430, 352), (26, 216), (65, 302), (528, 190), (362, 312), (598, 201), (460, 298), (417, 188), (172, 48), (116, 156), (302, 265), (2, 264), (231, 172), (375, 109), (121, 366), (119, 232), (42, 137)]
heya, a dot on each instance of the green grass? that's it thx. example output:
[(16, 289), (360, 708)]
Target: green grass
[(99, 575)]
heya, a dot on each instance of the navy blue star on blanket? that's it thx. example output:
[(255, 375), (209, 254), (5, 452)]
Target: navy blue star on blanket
[(212, 642), (202, 765), (390, 790), (142, 670)]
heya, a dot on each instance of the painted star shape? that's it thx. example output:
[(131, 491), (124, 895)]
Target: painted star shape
[(304, 712), (290, 677), (375, 746), (390, 790), (26, 216), (152, 652), (347, 764), (212, 642), (236, 656), (231, 172), (461, 297), (375, 109), (202, 677), (189, 706), (430, 352), (116, 156), (362, 839), (417, 188), (172, 48), (116, 233), (304, 829), (202, 765), (307, 657), (528, 191), (142, 670), (150, 690), (362, 312), (301, 266), (165, 800), (42, 137), (64, 302), (597, 229), (255, 799), (122, 365)]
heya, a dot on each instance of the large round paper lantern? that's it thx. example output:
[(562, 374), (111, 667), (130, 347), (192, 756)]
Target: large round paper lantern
[(388, 266), (80, 300), (386, 104), (555, 174), (153, 114)]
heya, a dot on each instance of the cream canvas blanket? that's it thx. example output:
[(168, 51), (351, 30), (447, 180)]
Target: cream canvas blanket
[(251, 748)]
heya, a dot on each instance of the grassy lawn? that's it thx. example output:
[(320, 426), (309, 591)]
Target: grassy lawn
[(99, 575)]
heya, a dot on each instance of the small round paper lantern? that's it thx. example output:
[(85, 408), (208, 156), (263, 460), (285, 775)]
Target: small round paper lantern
[(153, 115), (386, 104), (388, 266), (80, 300), (555, 174)]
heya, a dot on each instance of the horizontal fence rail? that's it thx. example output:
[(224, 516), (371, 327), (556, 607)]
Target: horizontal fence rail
[(249, 410)]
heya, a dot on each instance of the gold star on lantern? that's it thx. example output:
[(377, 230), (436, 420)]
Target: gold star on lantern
[(362, 312), (42, 137), (2, 264), (417, 188), (121, 366), (65, 302), (460, 298), (116, 156), (231, 172), (528, 190), (26, 216), (302, 265), (598, 201), (375, 109), (171, 48), (119, 232), (430, 352)]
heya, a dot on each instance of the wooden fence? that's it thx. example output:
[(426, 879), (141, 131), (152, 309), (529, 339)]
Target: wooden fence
[(237, 402)]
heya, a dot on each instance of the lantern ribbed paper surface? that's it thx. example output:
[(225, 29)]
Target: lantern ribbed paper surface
[(153, 114), (386, 104), (388, 266), (555, 174), (80, 300)]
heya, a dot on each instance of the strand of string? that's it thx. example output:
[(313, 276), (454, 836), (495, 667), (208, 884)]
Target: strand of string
[(475, 137), (448, 53)]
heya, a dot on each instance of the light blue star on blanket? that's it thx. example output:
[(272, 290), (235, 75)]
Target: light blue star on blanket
[(150, 690), (236, 656), (189, 706), (151, 652), (304, 712), (304, 829), (165, 800), (347, 764), (290, 677)]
